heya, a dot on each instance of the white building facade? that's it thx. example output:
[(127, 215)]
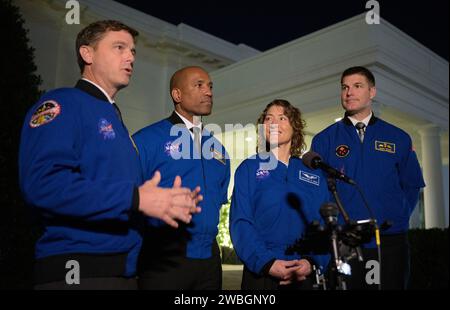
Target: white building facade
[(412, 81)]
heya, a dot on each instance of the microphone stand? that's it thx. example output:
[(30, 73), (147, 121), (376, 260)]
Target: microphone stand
[(332, 188), (339, 268), (345, 240)]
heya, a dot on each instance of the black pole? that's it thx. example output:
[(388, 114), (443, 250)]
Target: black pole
[(332, 188), (329, 213)]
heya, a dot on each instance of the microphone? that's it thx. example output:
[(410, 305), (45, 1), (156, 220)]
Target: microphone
[(313, 160), (329, 212)]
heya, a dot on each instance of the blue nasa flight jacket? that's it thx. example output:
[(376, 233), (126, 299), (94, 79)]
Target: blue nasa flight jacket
[(79, 172), (173, 154), (384, 165), (271, 209)]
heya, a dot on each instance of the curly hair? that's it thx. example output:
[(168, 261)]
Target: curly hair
[(294, 115)]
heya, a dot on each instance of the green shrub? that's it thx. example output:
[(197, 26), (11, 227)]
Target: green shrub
[(19, 89), (223, 236), (429, 258)]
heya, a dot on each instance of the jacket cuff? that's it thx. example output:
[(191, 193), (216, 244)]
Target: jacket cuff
[(312, 262), (266, 268), (135, 200)]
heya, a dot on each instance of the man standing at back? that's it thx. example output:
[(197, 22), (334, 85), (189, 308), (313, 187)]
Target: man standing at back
[(381, 159), (80, 172), (186, 258)]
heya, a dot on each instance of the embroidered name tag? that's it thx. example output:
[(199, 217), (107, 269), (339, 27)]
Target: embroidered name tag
[(385, 147), (309, 177)]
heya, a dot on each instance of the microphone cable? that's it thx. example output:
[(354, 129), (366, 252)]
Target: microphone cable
[(377, 232)]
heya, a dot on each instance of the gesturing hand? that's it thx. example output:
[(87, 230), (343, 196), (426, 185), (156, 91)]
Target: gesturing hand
[(168, 204)]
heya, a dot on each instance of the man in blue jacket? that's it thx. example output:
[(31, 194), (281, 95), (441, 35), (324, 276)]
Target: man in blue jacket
[(381, 159), (187, 258), (80, 172)]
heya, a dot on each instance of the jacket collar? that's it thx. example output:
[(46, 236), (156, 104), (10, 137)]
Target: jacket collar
[(174, 119), (91, 89), (348, 122)]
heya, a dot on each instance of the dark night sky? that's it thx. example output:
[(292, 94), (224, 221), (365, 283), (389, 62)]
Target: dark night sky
[(264, 26)]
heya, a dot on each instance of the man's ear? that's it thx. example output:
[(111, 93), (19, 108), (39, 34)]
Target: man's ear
[(86, 53), (373, 92), (176, 95)]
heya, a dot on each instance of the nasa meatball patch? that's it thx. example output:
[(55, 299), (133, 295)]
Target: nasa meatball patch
[(106, 130), (173, 149), (262, 174), (45, 113)]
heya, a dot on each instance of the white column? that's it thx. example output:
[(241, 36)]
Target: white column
[(432, 172)]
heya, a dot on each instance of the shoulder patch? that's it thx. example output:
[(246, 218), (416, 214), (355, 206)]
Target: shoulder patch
[(45, 113), (342, 150)]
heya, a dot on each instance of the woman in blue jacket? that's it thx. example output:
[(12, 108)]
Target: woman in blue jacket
[(275, 197)]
